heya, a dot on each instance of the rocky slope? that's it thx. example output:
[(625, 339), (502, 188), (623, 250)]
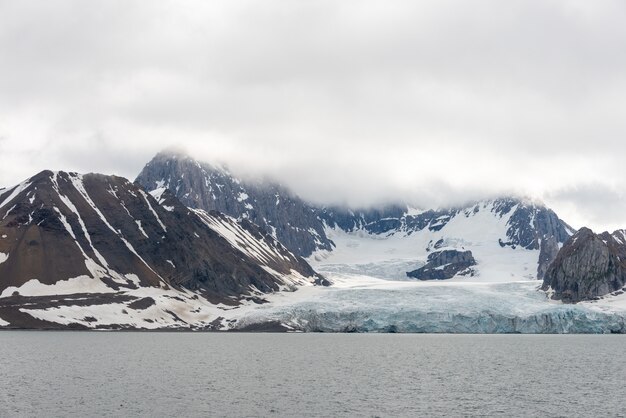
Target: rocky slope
[(588, 266), (203, 186), (444, 265), (98, 251)]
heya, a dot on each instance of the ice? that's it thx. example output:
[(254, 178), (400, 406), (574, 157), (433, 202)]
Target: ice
[(366, 304), (371, 293), (392, 269)]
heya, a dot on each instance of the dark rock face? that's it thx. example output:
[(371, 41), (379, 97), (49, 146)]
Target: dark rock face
[(58, 226), (548, 252), (374, 221), (588, 266), (272, 207), (444, 265), (530, 223)]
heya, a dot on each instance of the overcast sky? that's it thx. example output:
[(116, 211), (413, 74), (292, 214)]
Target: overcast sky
[(358, 101)]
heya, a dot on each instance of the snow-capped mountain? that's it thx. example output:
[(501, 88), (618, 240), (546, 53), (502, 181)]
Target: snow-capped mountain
[(203, 186), (588, 266), (98, 251), (501, 240), (508, 237)]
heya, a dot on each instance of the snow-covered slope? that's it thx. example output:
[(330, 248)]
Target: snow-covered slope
[(98, 251), (503, 235)]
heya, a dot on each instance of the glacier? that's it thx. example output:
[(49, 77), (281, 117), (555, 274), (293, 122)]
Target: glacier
[(357, 303), (371, 293)]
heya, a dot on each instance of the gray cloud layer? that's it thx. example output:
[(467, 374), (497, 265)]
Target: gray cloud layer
[(353, 101)]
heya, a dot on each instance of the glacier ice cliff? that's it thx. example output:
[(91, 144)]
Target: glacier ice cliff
[(362, 304)]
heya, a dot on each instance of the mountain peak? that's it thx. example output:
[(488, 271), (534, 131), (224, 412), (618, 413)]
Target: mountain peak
[(274, 208)]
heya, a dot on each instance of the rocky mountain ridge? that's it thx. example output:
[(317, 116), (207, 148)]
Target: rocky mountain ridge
[(305, 229), (203, 186), (588, 266), (104, 243)]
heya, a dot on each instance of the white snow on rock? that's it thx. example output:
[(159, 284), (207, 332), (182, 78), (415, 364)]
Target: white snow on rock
[(145, 197), (240, 238), (80, 284), (7, 197), (158, 193), (138, 222), (3, 257), (171, 309), (392, 255)]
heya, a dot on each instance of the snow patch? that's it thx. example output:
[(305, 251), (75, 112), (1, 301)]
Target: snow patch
[(138, 222), (80, 284), (16, 191), (145, 197), (3, 257), (158, 193)]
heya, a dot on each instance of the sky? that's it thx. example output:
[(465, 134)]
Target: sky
[(358, 102)]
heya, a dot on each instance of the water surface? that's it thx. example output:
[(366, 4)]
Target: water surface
[(211, 374)]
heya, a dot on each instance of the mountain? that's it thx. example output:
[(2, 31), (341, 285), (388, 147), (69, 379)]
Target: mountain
[(528, 230), (98, 251), (494, 240), (446, 264), (274, 208), (528, 222), (588, 266)]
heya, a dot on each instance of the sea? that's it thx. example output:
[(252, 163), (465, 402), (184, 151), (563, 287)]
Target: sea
[(180, 374)]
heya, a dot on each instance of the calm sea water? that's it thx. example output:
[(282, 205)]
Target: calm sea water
[(193, 374)]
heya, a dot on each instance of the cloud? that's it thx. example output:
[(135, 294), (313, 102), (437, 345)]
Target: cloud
[(592, 204), (352, 101)]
